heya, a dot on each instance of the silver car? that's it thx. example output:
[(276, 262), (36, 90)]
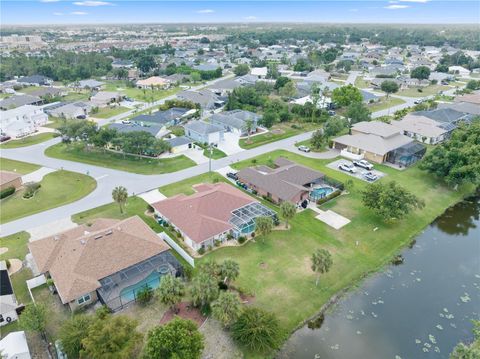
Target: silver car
[(347, 167)]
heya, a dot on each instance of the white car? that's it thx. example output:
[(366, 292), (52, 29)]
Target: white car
[(364, 164), (304, 148), (347, 167)]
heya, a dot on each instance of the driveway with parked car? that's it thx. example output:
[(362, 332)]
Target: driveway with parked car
[(359, 169)]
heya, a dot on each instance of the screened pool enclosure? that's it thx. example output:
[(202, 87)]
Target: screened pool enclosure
[(243, 218)]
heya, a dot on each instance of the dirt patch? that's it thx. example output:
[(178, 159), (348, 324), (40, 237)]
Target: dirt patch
[(3, 250), (246, 299), (186, 311), (263, 265), (218, 342), (15, 265), (146, 315)]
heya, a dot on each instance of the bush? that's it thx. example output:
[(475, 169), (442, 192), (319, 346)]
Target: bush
[(253, 234), (150, 209), (145, 295), (50, 282), (329, 197), (7, 192), (102, 312), (201, 251), (217, 242), (30, 189), (242, 239)]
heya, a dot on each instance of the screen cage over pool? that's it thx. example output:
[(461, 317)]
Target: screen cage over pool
[(114, 288), (407, 155), (243, 218)]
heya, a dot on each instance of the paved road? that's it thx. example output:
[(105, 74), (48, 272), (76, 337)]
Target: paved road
[(352, 76)]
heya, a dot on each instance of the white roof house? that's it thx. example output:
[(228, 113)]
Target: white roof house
[(22, 121), (259, 71), (15, 346)]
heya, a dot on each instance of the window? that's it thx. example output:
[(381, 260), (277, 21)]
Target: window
[(84, 299)]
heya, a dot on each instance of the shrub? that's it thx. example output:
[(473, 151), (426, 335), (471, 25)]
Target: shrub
[(217, 242), (329, 197), (7, 192), (30, 189), (253, 234), (229, 236), (102, 312), (187, 272), (50, 282), (201, 251), (150, 209), (145, 295), (242, 239)]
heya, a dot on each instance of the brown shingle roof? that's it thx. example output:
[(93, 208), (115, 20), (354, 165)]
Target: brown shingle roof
[(7, 177), (78, 258), (206, 213)]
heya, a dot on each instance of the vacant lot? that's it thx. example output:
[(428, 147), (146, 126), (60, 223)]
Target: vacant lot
[(17, 166), (119, 161), (57, 188), (28, 141), (425, 91), (385, 103), (107, 112), (147, 95)]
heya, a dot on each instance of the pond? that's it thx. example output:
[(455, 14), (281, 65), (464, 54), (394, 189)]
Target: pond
[(419, 309)]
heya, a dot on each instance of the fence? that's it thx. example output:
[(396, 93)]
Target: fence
[(34, 283), (177, 248)]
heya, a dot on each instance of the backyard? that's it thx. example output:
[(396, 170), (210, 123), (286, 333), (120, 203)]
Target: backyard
[(17, 166), (107, 112), (276, 133), (57, 189), (361, 83), (28, 141), (118, 161), (383, 103), (147, 95)]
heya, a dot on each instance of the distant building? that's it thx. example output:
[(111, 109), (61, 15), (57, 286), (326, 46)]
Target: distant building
[(104, 98), (236, 121), (22, 121), (19, 100), (35, 80)]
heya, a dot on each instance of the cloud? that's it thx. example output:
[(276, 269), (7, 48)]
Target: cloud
[(250, 17), (92, 3), (206, 11), (396, 7), (58, 13), (79, 13), (46, 1)]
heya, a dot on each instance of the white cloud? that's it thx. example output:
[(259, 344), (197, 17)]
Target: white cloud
[(49, 1), (396, 7), (250, 17), (205, 11), (58, 13), (92, 3), (78, 13)]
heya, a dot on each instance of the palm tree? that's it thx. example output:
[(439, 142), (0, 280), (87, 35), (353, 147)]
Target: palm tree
[(204, 290), (227, 308), (120, 195), (171, 291), (229, 270), (287, 211), (264, 226), (249, 127), (321, 262)]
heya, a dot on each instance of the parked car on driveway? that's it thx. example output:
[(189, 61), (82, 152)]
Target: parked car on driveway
[(304, 148), (364, 164), (126, 122), (232, 176), (369, 176), (347, 167)]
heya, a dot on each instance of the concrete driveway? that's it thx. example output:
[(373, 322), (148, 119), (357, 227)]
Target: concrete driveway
[(360, 171), (230, 144), (37, 176)]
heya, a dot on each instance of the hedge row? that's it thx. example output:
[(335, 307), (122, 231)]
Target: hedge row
[(7, 192)]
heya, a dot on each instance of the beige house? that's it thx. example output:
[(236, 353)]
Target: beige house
[(154, 81), (10, 179), (105, 98)]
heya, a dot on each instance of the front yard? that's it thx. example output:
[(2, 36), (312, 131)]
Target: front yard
[(425, 91), (57, 189), (17, 166), (28, 141), (107, 112), (118, 161), (383, 103)]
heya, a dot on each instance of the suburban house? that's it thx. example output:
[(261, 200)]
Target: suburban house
[(122, 64), (459, 70), (261, 72), (48, 92), (70, 111), (35, 80), (215, 212), (379, 142), (155, 130), (10, 179), (170, 117), (205, 98), (236, 121), (90, 84), (22, 121), (103, 261), (204, 132), (289, 181), (19, 100), (469, 104), (8, 302), (179, 144), (154, 81), (14, 345), (104, 98)]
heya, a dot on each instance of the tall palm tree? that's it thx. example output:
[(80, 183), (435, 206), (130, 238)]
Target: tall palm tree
[(248, 127), (264, 226), (120, 195), (204, 290), (321, 262), (287, 211), (171, 291), (227, 308), (229, 271)]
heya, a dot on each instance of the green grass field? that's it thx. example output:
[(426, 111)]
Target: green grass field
[(140, 94), (216, 153), (426, 91), (17, 166), (82, 95), (276, 133), (185, 186), (385, 103), (28, 141), (57, 188), (107, 112), (118, 161), (16, 244), (361, 83), (278, 271)]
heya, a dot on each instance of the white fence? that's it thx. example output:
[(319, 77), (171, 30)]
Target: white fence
[(350, 155), (34, 283), (177, 248)]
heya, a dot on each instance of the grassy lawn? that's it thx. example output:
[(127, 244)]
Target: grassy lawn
[(309, 145), (82, 95), (140, 94), (383, 103), (361, 83), (28, 141), (118, 161), (58, 188), (185, 186), (278, 271), (55, 122), (276, 133), (426, 91), (107, 112), (17, 166), (16, 244)]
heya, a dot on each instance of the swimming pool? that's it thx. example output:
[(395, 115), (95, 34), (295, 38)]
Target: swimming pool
[(320, 192), (153, 281)]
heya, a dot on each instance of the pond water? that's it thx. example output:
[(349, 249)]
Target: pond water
[(419, 309)]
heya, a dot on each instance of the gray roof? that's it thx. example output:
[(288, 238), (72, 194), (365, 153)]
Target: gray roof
[(120, 127), (34, 79), (90, 83), (284, 182), (17, 101), (373, 143), (235, 118), (44, 91), (465, 107), (179, 141), (202, 127), (162, 117), (444, 115), (367, 96), (205, 98), (376, 128)]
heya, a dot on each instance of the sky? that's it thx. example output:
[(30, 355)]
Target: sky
[(26, 12)]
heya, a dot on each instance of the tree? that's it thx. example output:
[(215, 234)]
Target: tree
[(302, 65), (170, 291), (420, 73), (390, 201), (389, 87), (272, 71), (249, 127), (457, 160), (115, 337), (34, 318), (263, 226), (120, 195), (280, 82), (229, 270), (346, 95), (473, 85), (195, 76), (358, 112), (469, 351), (73, 331), (257, 329), (268, 119), (241, 70), (178, 339), (321, 262), (204, 290), (318, 140), (227, 308), (146, 63), (333, 126), (289, 90), (288, 209)]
